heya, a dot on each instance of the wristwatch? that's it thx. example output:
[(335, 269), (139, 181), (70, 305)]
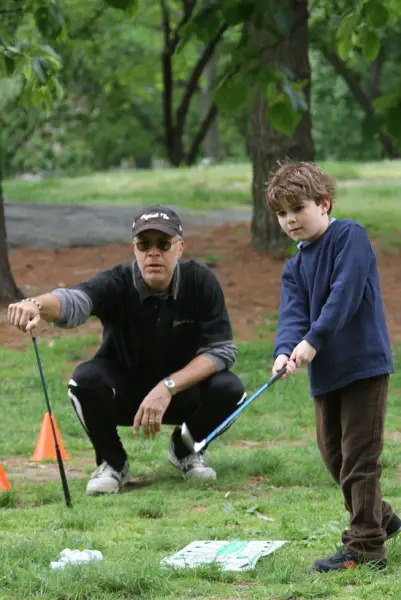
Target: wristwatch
[(170, 385)]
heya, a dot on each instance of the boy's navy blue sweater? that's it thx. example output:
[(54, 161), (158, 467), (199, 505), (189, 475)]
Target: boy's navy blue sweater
[(330, 297)]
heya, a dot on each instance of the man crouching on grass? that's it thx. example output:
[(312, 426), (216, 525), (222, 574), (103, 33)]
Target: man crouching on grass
[(166, 351), (332, 318)]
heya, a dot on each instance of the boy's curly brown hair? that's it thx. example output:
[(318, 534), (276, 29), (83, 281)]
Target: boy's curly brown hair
[(297, 181)]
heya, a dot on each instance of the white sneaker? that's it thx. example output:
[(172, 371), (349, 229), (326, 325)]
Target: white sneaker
[(193, 466), (106, 480)]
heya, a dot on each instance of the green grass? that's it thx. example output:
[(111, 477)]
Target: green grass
[(197, 188), (377, 208), (267, 463), (201, 188)]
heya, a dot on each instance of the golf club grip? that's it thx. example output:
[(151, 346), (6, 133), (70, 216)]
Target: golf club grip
[(277, 375)]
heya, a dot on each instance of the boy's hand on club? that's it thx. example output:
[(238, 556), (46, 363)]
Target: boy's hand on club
[(303, 353), (283, 361)]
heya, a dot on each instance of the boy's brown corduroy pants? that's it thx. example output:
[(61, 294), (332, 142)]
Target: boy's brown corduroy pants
[(349, 425)]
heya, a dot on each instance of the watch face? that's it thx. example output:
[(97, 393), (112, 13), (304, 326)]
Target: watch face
[(169, 383)]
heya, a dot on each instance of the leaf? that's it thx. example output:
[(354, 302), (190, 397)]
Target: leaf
[(129, 6), (58, 88), (28, 70), (344, 46), (52, 54), (237, 12), (9, 65), (206, 23), (370, 43), (347, 25), (382, 103), (36, 97), (297, 98), (283, 117), (39, 70), (375, 14), (49, 20), (231, 94)]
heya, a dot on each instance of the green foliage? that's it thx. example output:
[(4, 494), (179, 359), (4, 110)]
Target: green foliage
[(108, 65), (337, 120), (48, 19), (361, 25), (364, 30), (35, 62), (130, 6)]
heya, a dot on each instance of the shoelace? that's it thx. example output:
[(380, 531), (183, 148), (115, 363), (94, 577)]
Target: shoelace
[(100, 470), (103, 468)]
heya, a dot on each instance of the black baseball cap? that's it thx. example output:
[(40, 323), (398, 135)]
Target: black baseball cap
[(157, 217)]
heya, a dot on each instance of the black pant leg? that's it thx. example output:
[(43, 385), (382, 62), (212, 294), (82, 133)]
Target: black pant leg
[(105, 395)]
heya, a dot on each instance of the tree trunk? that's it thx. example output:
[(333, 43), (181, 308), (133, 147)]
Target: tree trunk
[(211, 142), (267, 145), (8, 290)]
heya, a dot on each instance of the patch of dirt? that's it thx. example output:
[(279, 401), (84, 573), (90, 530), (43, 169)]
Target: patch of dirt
[(266, 443), (394, 436), (250, 279), (199, 509), (18, 467)]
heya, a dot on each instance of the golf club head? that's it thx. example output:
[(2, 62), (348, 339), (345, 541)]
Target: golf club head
[(189, 440)]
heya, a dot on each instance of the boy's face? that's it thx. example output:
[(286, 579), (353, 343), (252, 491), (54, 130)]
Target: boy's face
[(306, 221)]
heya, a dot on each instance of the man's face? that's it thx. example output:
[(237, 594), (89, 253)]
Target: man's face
[(306, 221), (156, 263)]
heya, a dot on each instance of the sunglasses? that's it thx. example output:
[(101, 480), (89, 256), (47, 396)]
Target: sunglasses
[(162, 245)]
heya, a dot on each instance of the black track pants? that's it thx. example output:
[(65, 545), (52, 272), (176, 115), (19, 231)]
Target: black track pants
[(106, 395)]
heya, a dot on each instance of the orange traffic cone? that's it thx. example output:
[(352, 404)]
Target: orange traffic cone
[(4, 483), (45, 447)]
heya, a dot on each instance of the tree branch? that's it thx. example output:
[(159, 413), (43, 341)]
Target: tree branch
[(202, 131), (146, 122), (375, 78), (189, 6), (192, 84), (359, 94), (346, 73), (167, 80)]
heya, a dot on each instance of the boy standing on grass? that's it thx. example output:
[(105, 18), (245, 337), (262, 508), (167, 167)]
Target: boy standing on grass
[(332, 318)]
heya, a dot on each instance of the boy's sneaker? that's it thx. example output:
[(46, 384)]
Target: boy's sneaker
[(193, 466), (346, 558), (106, 480), (394, 526)]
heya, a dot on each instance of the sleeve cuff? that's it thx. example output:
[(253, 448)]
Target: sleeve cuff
[(218, 362)]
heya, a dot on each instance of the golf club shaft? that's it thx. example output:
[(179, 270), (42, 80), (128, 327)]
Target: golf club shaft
[(57, 448), (232, 417)]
